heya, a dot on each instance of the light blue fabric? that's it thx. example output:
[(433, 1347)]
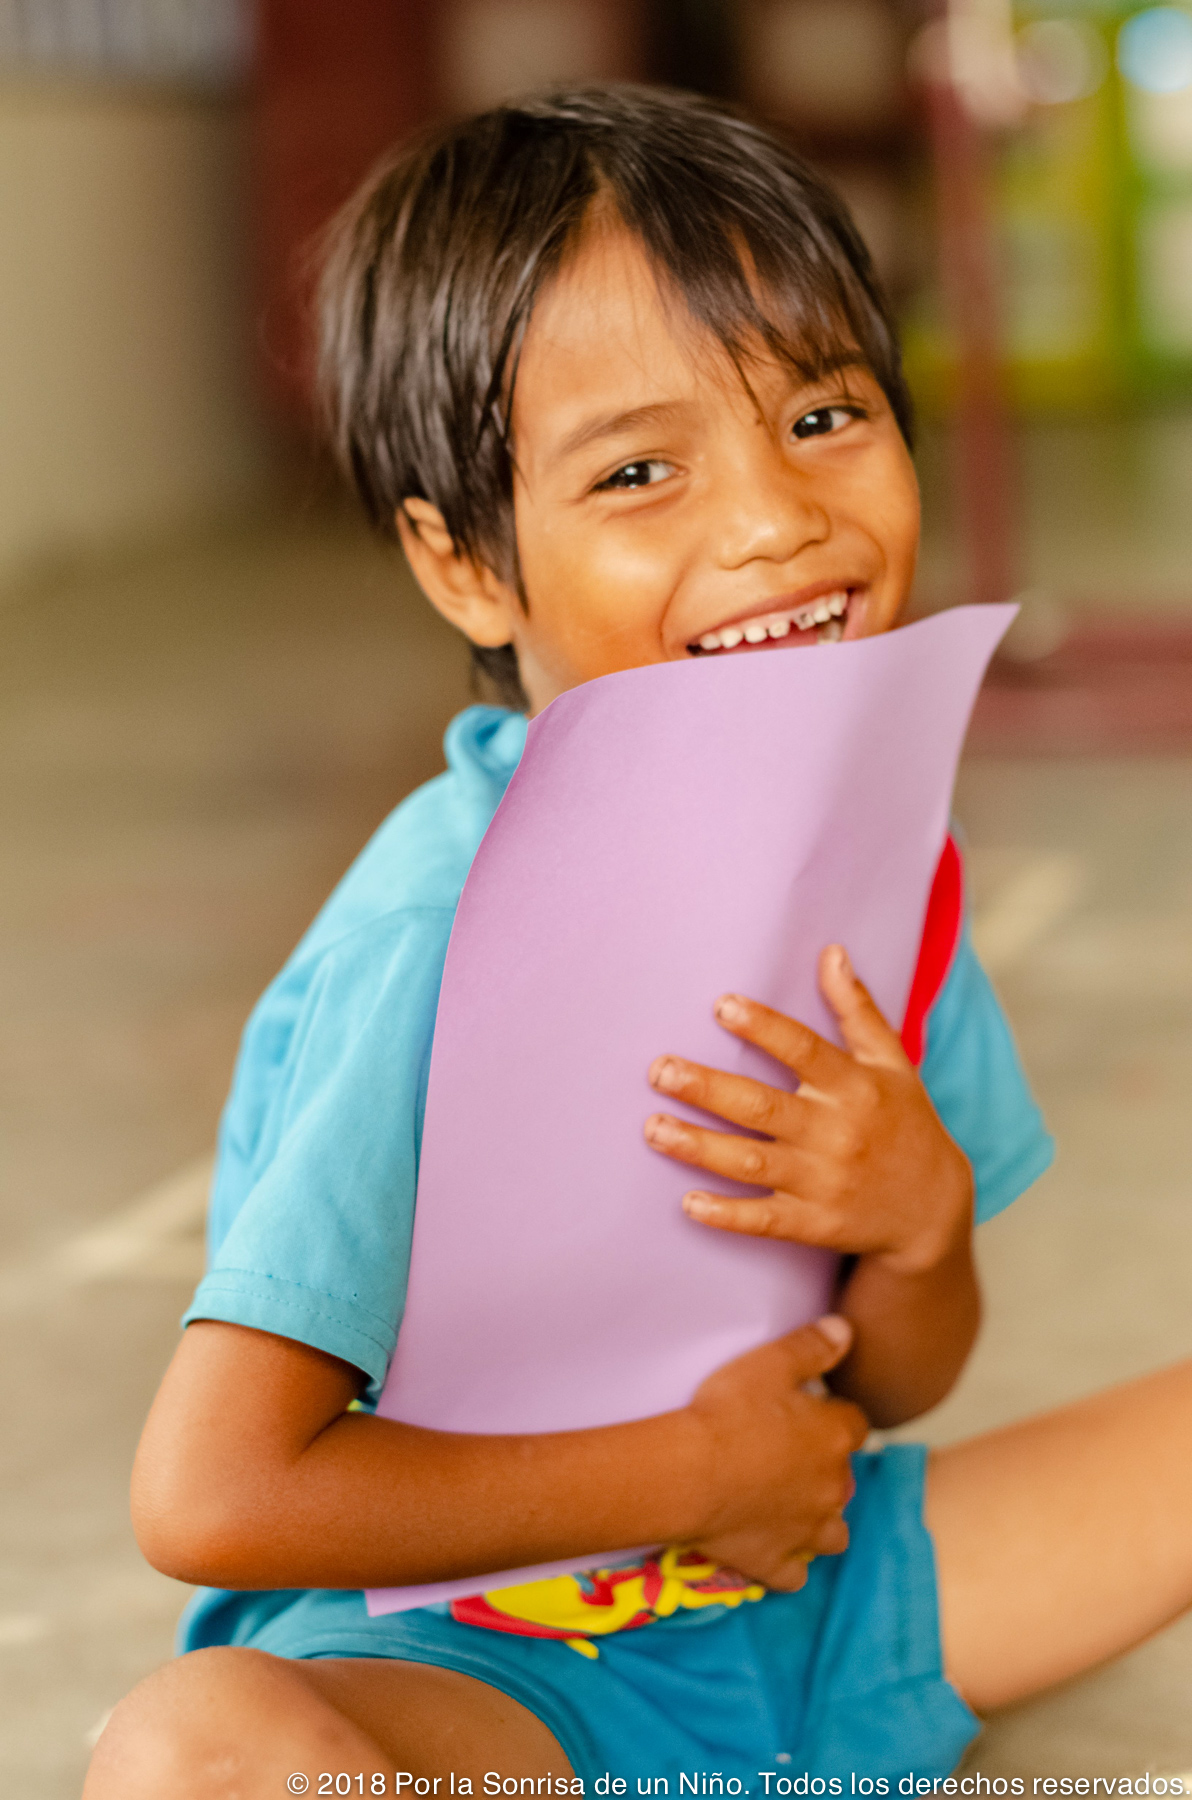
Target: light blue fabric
[(970, 1068), (310, 1230), (844, 1676), (313, 1205)]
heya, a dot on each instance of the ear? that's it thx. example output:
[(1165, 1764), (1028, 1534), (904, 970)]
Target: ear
[(467, 594)]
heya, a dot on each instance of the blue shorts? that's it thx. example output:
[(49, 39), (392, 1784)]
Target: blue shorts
[(842, 1678)]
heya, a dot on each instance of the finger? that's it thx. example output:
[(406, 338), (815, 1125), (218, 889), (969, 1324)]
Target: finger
[(736, 1098), (812, 1058), (790, 1361), (862, 1025), (789, 1576), (816, 1348), (761, 1162), (831, 1539), (774, 1215), (855, 1427)]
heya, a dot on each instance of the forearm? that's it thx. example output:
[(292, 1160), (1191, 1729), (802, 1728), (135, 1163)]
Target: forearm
[(365, 1502), (914, 1330), (375, 1504)]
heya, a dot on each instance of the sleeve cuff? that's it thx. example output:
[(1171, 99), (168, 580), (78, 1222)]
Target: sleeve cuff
[(997, 1195), (326, 1322)]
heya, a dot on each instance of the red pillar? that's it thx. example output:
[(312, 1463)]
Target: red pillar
[(986, 485), (333, 87)]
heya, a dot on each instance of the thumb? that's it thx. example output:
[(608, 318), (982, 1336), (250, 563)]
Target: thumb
[(864, 1029), (814, 1349)]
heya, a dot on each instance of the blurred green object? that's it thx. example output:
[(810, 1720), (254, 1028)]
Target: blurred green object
[(1091, 202)]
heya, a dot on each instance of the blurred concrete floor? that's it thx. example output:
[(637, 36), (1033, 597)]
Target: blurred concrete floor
[(192, 750)]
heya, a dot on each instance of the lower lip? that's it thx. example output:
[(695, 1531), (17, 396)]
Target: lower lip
[(794, 639)]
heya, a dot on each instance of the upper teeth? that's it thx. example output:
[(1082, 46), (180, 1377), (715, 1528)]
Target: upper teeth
[(777, 624)]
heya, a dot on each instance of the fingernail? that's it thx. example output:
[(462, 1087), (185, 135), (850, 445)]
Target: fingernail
[(664, 1074), (843, 965), (661, 1130), (697, 1205), (838, 1331), (729, 1010)]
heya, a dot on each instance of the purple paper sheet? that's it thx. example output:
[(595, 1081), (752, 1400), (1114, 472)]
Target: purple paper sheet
[(672, 833)]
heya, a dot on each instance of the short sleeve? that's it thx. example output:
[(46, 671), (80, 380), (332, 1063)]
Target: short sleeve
[(319, 1247), (972, 1071)]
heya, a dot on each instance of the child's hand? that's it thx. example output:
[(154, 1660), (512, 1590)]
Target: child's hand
[(778, 1455), (856, 1161)]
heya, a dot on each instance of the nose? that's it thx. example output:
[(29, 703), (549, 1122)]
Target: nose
[(766, 510)]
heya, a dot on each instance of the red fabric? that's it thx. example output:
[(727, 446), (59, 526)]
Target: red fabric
[(941, 934), (333, 88)]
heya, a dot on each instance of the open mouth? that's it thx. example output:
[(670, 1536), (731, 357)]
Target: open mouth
[(819, 621)]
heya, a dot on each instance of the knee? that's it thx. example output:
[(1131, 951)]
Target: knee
[(177, 1732)]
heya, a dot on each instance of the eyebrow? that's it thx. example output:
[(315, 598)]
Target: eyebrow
[(607, 425), (832, 365)]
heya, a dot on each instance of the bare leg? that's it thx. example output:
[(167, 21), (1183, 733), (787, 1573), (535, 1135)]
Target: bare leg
[(235, 1724), (1064, 1540)]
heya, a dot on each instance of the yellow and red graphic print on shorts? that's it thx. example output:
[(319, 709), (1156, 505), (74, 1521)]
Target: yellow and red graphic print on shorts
[(594, 1602)]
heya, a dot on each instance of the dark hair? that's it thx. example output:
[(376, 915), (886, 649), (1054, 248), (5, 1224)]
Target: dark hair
[(433, 269)]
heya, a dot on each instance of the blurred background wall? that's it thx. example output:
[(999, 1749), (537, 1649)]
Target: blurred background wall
[(124, 326), (1021, 169)]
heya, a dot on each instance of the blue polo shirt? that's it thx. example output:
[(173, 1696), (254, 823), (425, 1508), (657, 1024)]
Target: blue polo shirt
[(310, 1230)]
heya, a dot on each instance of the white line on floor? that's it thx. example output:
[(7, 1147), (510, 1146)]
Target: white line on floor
[(157, 1238), (93, 1734), (17, 1629), (139, 1233)]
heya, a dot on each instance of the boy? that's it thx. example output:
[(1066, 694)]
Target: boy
[(613, 366)]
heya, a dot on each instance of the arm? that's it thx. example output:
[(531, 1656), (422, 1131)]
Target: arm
[(914, 1330), (856, 1161), (251, 1473)]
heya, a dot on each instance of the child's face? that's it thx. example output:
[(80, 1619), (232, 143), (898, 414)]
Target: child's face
[(665, 510)]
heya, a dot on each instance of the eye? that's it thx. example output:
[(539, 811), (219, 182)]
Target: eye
[(824, 420), (636, 475)]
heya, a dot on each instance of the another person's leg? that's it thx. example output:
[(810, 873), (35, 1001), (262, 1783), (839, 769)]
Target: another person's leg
[(1064, 1540), (227, 1721)]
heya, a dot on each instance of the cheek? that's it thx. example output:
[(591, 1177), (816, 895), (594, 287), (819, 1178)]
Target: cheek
[(912, 504), (594, 583), (904, 489), (549, 565), (895, 517), (636, 569), (571, 592), (904, 533)]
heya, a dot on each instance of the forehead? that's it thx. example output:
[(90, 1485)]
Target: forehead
[(602, 334)]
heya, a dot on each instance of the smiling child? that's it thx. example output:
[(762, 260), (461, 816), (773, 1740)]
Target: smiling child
[(613, 366)]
